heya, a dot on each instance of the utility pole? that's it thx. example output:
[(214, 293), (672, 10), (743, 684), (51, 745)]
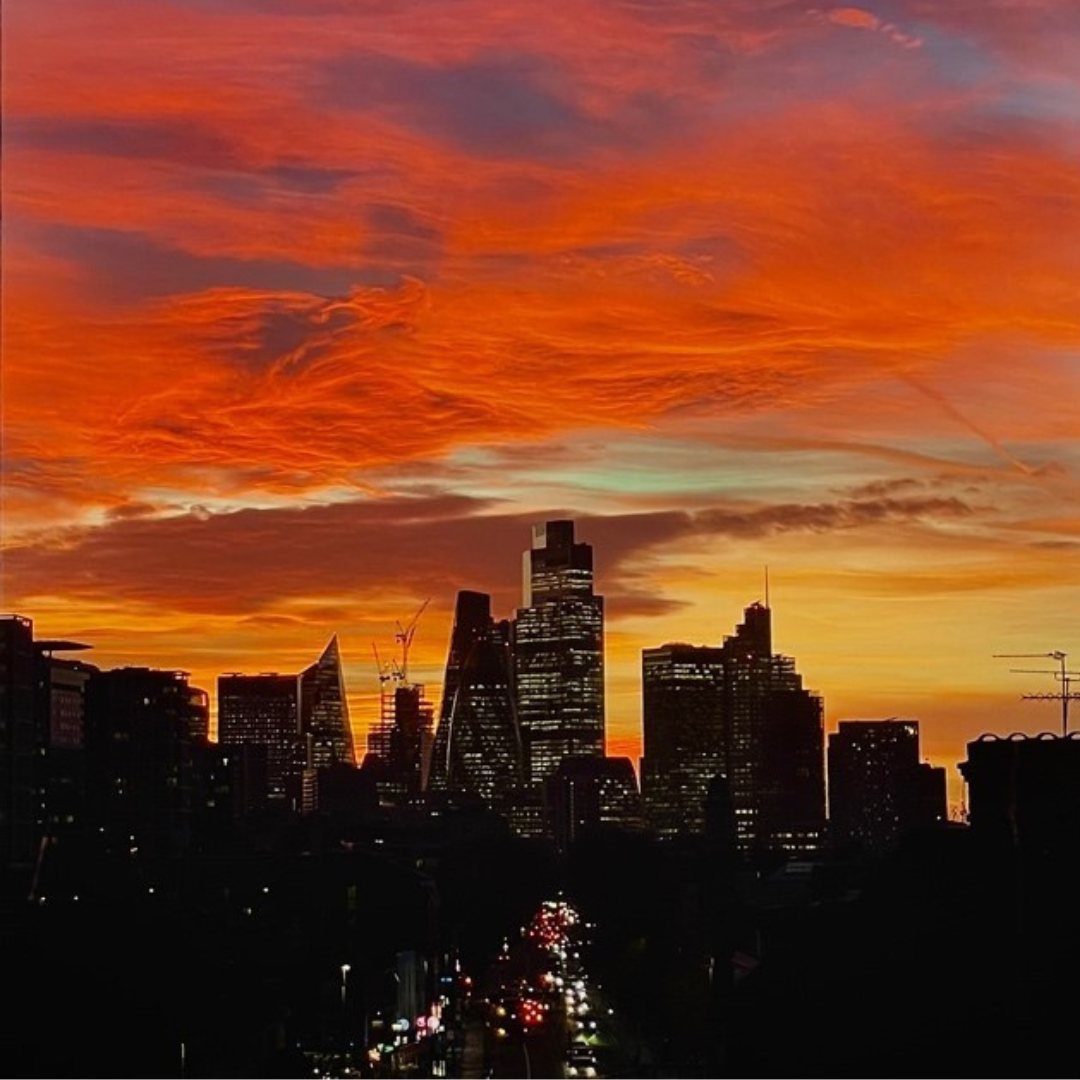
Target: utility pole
[(1064, 677)]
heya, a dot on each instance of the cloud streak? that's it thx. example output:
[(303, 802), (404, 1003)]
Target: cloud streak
[(309, 304)]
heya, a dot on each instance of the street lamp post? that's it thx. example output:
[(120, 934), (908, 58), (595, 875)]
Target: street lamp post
[(345, 969)]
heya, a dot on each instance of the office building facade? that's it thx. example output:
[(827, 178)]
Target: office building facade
[(683, 734), (878, 788), (738, 711), (477, 749), (264, 711), (143, 760), (558, 650), (324, 712)]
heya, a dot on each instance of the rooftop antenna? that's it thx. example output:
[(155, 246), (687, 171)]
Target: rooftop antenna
[(766, 586), (1063, 676)]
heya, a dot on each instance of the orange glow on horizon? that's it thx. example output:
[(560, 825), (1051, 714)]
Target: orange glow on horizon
[(309, 313)]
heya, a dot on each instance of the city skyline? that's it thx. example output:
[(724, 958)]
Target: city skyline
[(312, 311)]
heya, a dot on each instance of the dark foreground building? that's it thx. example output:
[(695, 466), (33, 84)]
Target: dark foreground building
[(878, 788)]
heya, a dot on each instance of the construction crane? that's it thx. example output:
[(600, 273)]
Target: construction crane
[(1063, 676), (404, 638), (388, 670)]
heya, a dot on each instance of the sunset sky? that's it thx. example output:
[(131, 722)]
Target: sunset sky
[(311, 308)]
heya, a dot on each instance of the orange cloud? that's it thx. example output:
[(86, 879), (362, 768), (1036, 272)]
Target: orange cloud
[(854, 17), (266, 264)]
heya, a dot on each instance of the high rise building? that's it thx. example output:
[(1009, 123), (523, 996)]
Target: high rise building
[(776, 743), (684, 734), (399, 743), (411, 738), (477, 748), (142, 760), (878, 788), (558, 648), (738, 711), (18, 744), (60, 704), (324, 712), (264, 711), (290, 725), (587, 793)]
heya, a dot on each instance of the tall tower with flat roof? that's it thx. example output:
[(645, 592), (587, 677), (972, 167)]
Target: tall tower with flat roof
[(558, 647)]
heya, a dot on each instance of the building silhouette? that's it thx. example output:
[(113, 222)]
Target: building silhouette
[(585, 794), (738, 711), (410, 739), (878, 788), (264, 711), (776, 747), (144, 735), (477, 749), (558, 650), (684, 736), (60, 718), (1024, 791), (18, 745)]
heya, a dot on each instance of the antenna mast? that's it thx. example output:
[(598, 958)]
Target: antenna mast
[(1063, 676)]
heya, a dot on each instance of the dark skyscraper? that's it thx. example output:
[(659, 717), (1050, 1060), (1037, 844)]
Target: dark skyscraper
[(684, 734), (410, 738), (18, 797), (477, 747), (142, 759), (324, 711), (558, 645), (776, 743), (264, 711), (737, 711), (61, 723), (878, 788)]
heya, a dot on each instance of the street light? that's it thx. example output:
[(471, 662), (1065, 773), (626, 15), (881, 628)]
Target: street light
[(345, 969)]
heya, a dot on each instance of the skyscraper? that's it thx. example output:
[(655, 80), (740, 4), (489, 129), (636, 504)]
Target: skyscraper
[(61, 722), (142, 759), (324, 711), (477, 747), (684, 734), (737, 711), (558, 647), (878, 788), (264, 711), (776, 743), (18, 797)]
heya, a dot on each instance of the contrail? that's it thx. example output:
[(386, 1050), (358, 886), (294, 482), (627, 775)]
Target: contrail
[(957, 415)]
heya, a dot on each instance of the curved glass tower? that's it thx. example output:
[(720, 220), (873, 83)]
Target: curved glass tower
[(477, 749)]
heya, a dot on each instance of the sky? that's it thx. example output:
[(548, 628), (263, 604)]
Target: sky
[(311, 308)]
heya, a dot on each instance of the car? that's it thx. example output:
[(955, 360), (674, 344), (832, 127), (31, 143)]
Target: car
[(581, 1061)]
